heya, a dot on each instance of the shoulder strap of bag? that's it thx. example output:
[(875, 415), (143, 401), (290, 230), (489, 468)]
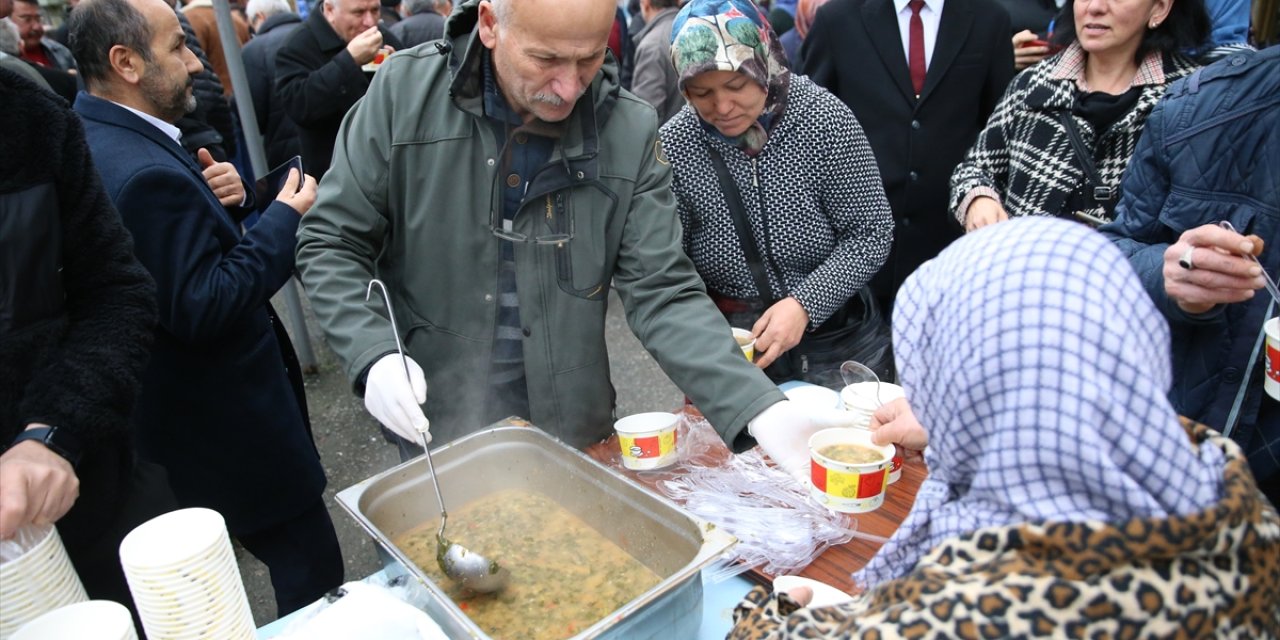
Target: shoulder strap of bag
[(739, 215), (1099, 192)]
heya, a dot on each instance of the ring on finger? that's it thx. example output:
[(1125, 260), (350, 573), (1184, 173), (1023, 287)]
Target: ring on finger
[(1185, 261)]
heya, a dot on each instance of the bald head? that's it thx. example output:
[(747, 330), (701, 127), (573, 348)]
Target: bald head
[(545, 52)]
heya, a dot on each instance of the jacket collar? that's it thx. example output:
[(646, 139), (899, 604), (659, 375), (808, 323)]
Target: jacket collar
[(277, 20), (1055, 84), (1070, 66), (104, 111), (326, 37)]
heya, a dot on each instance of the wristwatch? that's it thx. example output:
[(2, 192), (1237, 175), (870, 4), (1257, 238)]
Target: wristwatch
[(60, 441)]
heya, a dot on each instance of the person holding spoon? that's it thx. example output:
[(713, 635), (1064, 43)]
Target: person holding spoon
[(1063, 491), (1211, 153)]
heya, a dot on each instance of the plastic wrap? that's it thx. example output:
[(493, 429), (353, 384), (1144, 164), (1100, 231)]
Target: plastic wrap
[(373, 608), (24, 540), (780, 530)]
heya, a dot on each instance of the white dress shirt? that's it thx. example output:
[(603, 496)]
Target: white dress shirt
[(930, 15), (169, 129)]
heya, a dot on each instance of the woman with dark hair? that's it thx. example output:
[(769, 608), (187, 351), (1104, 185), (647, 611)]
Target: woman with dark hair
[(1065, 129)]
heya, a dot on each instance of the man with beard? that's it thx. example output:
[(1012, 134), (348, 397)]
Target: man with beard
[(501, 182), (222, 405)]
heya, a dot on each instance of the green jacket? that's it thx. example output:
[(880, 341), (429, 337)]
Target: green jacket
[(407, 199)]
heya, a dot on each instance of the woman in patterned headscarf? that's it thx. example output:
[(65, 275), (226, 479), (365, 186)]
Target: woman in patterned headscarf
[(810, 195), (1063, 498), (806, 10)]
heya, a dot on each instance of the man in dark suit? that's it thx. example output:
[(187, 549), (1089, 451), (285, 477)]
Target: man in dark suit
[(222, 405), (863, 52), (319, 72)]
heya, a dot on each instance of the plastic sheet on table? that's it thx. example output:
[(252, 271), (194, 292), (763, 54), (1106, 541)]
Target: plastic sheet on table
[(779, 528)]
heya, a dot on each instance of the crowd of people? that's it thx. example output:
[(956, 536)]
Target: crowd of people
[(1012, 207)]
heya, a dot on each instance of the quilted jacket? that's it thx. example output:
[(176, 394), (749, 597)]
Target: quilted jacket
[(1211, 152)]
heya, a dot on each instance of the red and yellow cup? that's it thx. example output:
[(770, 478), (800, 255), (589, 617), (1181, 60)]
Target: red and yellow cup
[(1271, 383), (845, 486), (648, 440)]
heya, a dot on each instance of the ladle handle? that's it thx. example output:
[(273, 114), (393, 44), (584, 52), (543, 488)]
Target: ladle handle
[(404, 362)]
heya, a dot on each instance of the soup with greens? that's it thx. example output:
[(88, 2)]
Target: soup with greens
[(565, 575), (851, 454)]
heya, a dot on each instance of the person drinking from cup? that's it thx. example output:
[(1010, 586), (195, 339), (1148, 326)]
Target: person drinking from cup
[(1211, 153), (1063, 492)]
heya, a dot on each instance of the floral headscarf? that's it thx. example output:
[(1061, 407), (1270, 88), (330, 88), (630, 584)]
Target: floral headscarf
[(805, 11), (1035, 359), (732, 35)]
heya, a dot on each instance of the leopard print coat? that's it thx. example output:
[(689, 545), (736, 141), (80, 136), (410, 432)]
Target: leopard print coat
[(1213, 574)]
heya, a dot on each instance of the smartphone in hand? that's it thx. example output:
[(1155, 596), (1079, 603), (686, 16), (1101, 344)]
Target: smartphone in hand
[(268, 187)]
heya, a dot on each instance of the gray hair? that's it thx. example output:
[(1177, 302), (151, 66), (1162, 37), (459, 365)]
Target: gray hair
[(96, 26), (266, 8), (414, 7), (10, 37)]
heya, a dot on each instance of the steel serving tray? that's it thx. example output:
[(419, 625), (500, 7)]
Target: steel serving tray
[(673, 543)]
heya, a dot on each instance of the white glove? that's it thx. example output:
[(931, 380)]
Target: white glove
[(395, 401), (783, 429)]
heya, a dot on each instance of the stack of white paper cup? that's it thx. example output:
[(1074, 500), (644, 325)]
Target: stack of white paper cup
[(92, 620), (36, 582), (184, 579)]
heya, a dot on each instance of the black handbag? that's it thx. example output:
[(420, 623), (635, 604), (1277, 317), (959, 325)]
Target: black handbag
[(857, 331), (1093, 190)]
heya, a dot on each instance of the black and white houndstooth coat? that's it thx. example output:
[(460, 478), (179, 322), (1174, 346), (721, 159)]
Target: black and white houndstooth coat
[(1023, 157)]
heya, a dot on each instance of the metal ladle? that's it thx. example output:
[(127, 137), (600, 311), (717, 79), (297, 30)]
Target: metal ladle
[(471, 570)]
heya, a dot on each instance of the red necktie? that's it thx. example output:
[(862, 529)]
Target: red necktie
[(916, 47)]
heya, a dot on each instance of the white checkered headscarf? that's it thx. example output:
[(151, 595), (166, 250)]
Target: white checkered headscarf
[(1039, 366)]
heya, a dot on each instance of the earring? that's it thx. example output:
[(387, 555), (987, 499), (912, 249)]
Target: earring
[(1154, 24)]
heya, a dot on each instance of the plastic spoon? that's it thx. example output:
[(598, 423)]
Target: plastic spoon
[(469, 569), (854, 372)]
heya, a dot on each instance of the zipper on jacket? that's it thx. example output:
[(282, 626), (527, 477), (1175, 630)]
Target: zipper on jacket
[(766, 250)]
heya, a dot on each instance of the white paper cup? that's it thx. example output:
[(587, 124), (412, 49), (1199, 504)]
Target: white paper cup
[(1271, 383), (648, 440), (863, 398), (748, 344), (92, 620), (173, 540), (37, 582), (848, 487), (184, 579)]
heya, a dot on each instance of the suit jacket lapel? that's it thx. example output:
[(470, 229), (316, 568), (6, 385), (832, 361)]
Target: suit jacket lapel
[(881, 23), (953, 29), (115, 115)]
